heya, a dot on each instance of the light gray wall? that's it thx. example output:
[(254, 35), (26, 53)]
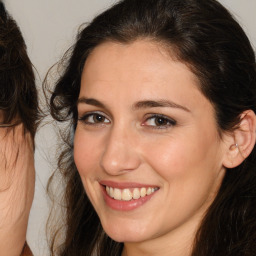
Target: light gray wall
[(49, 28)]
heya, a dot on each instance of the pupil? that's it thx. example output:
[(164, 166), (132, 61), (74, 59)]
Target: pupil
[(160, 121), (98, 118)]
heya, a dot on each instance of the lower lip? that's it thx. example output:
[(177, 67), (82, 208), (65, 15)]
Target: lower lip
[(120, 205)]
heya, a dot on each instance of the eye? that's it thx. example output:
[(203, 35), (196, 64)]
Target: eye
[(159, 122), (94, 119)]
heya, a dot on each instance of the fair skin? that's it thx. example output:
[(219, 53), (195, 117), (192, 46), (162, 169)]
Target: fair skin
[(17, 178), (143, 123)]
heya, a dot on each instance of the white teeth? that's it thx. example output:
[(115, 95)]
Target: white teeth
[(136, 193), (127, 194), (117, 194), (143, 192), (149, 191), (111, 192)]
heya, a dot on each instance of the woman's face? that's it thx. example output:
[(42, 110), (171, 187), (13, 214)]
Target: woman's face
[(146, 144)]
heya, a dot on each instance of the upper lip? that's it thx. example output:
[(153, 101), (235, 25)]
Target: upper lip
[(123, 185)]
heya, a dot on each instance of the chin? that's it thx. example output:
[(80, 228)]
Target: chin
[(126, 238), (126, 233)]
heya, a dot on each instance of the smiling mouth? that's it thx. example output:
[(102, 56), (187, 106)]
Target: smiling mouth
[(128, 194)]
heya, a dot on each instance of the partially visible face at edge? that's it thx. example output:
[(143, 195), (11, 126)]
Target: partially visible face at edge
[(17, 176), (143, 122)]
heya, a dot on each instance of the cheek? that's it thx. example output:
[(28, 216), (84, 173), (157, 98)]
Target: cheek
[(189, 174), (86, 158), (170, 156), (85, 153), (185, 158)]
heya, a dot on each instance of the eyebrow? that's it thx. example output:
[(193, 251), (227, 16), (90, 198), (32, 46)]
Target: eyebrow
[(138, 105), (91, 101), (157, 104)]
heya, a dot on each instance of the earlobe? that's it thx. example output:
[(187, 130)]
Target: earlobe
[(243, 140)]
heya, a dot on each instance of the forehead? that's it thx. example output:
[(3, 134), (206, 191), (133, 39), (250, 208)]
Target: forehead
[(141, 60), (144, 65)]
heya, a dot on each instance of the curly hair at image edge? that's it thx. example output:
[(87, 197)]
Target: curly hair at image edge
[(203, 35), (18, 94)]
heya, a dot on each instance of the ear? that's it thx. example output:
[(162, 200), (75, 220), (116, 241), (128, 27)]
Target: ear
[(241, 141)]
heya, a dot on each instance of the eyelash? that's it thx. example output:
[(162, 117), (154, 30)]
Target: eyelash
[(168, 122), (86, 117)]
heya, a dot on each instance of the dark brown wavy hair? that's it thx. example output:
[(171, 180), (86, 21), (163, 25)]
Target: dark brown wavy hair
[(18, 95), (203, 35)]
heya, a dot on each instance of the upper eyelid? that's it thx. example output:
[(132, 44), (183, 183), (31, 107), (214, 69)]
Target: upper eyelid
[(99, 111), (160, 115), (91, 113)]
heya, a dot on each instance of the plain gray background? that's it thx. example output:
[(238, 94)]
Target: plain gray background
[(49, 28)]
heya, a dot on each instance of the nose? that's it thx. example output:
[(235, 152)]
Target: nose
[(120, 154)]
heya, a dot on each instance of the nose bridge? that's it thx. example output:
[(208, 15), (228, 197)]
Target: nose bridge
[(120, 153)]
